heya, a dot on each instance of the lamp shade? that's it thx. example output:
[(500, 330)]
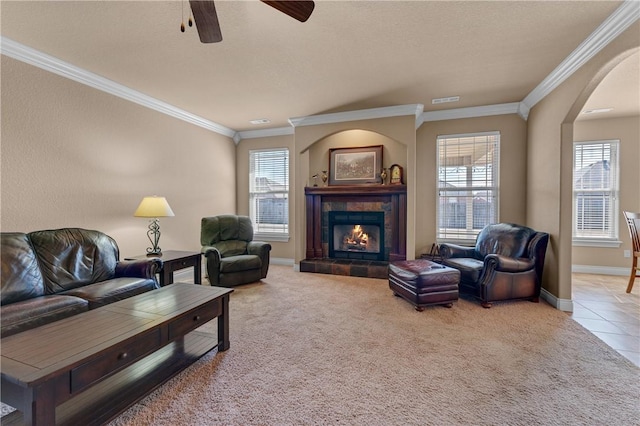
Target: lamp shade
[(153, 207)]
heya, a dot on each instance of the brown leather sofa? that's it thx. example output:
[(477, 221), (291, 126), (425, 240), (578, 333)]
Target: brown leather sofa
[(53, 274), (505, 263), (233, 257)]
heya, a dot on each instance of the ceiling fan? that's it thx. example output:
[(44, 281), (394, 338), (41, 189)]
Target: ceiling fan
[(204, 13)]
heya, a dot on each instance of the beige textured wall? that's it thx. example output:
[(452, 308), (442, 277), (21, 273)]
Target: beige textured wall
[(550, 138), (283, 250), (73, 156), (513, 166), (627, 130)]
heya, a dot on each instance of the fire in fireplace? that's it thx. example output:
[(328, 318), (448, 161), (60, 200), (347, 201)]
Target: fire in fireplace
[(356, 235), (357, 239)]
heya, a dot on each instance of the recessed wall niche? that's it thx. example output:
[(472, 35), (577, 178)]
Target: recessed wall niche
[(393, 151)]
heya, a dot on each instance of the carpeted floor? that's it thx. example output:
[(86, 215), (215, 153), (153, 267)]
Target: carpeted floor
[(313, 349)]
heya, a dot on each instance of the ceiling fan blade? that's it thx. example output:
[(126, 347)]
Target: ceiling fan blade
[(204, 13), (300, 10)]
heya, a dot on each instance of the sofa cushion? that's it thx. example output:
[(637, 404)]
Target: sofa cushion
[(74, 257), (109, 291), (231, 248), (470, 269), (32, 313), (234, 227), (20, 276), (225, 227), (505, 239), (239, 263)]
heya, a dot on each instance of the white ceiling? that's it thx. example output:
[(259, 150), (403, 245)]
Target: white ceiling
[(349, 55)]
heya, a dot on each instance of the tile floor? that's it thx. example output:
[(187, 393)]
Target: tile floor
[(602, 306)]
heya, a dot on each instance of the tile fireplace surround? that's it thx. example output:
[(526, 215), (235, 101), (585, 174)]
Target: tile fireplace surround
[(391, 199)]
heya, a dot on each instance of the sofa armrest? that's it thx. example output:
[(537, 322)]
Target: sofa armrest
[(508, 264), (142, 268), (259, 248), (213, 259), (537, 252), (262, 250), (448, 251), (212, 254)]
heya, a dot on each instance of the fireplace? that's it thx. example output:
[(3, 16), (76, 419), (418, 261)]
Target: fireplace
[(356, 235), (380, 209)]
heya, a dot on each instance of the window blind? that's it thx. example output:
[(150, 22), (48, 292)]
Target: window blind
[(468, 168), (595, 190), (269, 191)]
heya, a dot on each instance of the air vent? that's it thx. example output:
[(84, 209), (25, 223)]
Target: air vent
[(260, 121), (597, 111), (445, 100)]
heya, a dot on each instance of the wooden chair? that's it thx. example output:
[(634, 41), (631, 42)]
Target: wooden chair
[(633, 221)]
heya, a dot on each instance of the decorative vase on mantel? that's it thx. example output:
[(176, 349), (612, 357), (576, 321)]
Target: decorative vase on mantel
[(325, 177), (383, 176)]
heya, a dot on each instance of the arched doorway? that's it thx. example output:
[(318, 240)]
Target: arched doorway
[(607, 115)]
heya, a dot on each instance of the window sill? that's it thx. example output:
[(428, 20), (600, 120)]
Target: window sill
[(461, 242), (276, 238), (596, 243)]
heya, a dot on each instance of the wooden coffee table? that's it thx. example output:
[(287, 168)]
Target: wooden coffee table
[(89, 368)]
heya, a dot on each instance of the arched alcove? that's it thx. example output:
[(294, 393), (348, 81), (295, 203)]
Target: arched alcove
[(393, 152), (397, 135)]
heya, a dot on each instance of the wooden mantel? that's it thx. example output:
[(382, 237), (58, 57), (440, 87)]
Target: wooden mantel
[(394, 194)]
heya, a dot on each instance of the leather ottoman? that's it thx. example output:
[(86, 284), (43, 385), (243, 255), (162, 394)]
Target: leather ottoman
[(423, 283)]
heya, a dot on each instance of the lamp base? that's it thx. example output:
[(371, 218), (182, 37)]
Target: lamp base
[(154, 236)]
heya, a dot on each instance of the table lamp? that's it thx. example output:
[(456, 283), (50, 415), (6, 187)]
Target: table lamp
[(154, 207)]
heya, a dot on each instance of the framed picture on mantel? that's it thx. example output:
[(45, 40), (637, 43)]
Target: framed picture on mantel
[(355, 166)]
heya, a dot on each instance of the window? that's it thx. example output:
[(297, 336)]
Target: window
[(468, 186), (595, 192), (269, 193)]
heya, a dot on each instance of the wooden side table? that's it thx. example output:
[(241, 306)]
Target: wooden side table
[(174, 260)]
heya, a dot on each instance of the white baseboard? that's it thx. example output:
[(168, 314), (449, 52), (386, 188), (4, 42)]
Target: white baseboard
[(600, 270), (565, 305), (281, 261)]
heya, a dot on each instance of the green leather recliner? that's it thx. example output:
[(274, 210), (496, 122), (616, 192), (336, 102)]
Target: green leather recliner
[(232, 256)]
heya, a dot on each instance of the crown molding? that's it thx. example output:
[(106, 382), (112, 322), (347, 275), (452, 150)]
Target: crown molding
[(363, 114), (264, 133), (523, 111), (421, 117), (470, 112), (49, 63), (625, 15)]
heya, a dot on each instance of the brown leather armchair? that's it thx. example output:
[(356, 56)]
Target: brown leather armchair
[(232, 256), (506, 263)]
